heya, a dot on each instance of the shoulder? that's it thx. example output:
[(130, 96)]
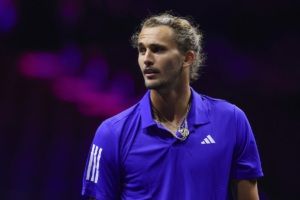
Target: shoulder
[(112, 127), (122, 116), (219, 105)]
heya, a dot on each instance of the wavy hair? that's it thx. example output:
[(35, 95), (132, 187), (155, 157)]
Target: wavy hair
[(187, 36)]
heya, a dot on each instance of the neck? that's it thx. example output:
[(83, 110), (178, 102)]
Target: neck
[(172, 104)]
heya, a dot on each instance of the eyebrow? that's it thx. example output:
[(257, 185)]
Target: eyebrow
[(151, 45)]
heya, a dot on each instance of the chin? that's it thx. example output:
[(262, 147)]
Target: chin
[(154, 85), (151, 86)]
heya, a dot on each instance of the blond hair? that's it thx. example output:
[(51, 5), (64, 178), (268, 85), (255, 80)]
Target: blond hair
[(187, 36)]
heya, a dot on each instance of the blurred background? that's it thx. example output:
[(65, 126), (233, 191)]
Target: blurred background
[(65, 65)]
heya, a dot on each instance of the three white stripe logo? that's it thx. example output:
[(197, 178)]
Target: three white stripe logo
[(208, 140), (92, 173)]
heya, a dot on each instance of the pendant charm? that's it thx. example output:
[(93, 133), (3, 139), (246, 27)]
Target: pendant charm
[(185, 132), (182, 133)]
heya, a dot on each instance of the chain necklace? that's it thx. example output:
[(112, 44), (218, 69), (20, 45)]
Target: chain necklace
[(182, 131)]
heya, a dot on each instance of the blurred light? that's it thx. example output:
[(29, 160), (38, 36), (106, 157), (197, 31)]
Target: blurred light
[(85, 84), (8, 15), (41, 65)]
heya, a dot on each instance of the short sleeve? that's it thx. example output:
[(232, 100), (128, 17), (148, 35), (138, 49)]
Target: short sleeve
[(101, 178), (246, 161)]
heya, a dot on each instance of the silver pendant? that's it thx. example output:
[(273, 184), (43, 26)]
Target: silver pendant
[(182, 133), (185, 132)]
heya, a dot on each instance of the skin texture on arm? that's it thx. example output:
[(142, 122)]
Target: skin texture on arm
[(245, 189)]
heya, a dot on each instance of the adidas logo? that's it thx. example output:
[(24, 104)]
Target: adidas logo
[(208, 140)]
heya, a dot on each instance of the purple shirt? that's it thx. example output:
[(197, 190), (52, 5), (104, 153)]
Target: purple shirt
[(133, 157)]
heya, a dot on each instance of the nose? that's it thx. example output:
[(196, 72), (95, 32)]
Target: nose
[(148, 58)]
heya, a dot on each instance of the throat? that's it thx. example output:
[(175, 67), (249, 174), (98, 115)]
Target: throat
[(179, 129)]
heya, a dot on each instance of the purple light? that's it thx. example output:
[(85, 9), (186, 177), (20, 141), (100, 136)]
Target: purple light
[(8, 15), (40, 65)]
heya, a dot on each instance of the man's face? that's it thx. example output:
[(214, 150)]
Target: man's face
[(159, 57)]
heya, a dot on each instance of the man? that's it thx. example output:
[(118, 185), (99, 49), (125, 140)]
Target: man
[(174, 143)]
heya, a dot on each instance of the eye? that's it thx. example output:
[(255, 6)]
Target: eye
[(141, 50), (158, 49)]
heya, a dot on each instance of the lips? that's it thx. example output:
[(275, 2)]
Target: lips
[(150, 71)]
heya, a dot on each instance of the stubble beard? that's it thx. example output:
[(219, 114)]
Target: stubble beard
[(156, 86), (160, 85)]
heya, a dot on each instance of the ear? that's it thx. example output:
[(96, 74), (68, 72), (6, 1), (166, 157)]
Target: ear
[(189, 58)]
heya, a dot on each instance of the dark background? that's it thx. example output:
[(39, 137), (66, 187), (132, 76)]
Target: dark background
[(67, 65)]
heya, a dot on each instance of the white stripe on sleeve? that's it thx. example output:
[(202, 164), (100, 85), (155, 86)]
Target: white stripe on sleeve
[(94, 164), (97, 166), (90, 163)]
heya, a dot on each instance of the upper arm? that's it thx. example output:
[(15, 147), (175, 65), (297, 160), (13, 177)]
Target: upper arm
[(246, 165), (246, 161), (245, 190), (101, 178)]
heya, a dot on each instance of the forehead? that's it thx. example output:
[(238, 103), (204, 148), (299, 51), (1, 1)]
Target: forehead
[(158, 34)]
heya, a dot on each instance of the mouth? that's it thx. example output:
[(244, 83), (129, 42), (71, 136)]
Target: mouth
[(150, 71)]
